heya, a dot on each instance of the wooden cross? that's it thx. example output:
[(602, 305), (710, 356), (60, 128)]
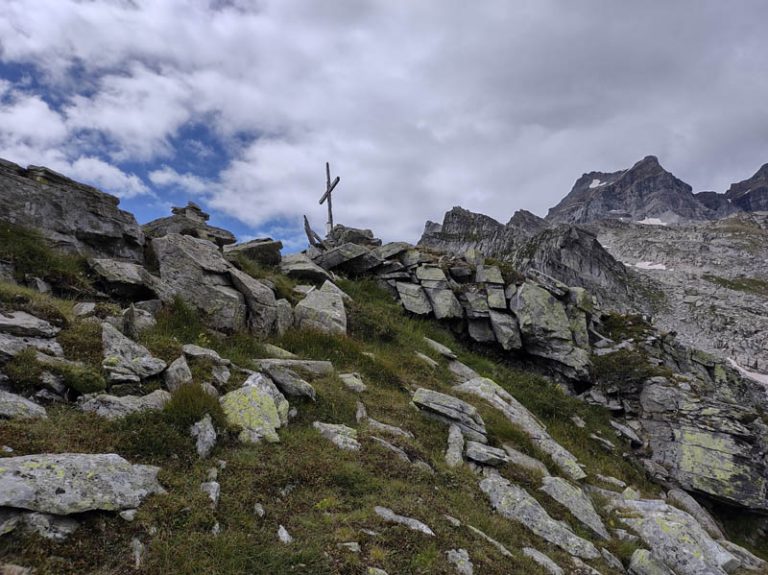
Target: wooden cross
[(329, 186)]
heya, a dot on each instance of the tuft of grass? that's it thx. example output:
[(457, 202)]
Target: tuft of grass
[(625, 369), (24, 370), (31, 254), (189, 404), (16, 297), (81, 379), (621, 327), (81, 341), (756, 286), (282, 283)]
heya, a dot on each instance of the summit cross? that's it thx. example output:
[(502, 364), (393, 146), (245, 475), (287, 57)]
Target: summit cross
[(329, 187)]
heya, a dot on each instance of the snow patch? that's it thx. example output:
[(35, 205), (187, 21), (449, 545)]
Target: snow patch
[(650, 266), (753, 375), (596, 184), (652, 222)]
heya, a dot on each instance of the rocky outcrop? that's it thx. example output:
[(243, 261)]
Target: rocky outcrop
[(189, 221), (452, 411), (257, 409), (70, 215), (644, 192), (751, 195), (463, 230), (125, 361), (73, 483), (113, 407), (14, 406), (265, 251)]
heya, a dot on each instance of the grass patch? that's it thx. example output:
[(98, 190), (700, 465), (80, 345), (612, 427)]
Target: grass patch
[(754, 286), (30, 254), (81, 341), (55, 310), (283, 284), (620, 327), (189, 404)]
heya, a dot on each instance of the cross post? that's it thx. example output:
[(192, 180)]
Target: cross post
[(329, 187)]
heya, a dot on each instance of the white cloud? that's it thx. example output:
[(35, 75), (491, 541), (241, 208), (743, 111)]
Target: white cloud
[(419, 106), (107, 177)]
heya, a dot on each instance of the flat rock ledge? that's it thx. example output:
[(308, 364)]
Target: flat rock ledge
[(67, 483)]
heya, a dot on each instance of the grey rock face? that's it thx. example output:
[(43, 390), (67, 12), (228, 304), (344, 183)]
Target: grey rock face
[(178, 374), (341, 436), (516, 504), (73, 483), (513, 410), (290, 383), (14, 406), (576, 501), (544, 561), (353, 382), (644, 563), (520, 459), (258, 409), (461, 561), (125, 360), (260, 301), (453, 455), (123, 279), (113, 407), (189, 221), (300, 267), (20, 323), (644, 191), (313, 368), (204, 435), (444, 303), (414, 298), (451, 410), (485, 454), (10, 345), (70, 215), (265, 251), (684, 501), (414, 524), (322, 311), (751, 195)]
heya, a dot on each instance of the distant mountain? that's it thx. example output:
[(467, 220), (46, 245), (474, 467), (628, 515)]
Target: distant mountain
[(751, 195), (646, 192)]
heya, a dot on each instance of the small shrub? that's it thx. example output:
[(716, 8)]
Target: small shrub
[(625, 369), (620, 327), (82, 342), (189, 404), (82, 379), (54, 310), (24, 370), (151, 435)]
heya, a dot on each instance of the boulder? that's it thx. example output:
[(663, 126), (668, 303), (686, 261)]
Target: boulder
[(545, 562), (516, 413), (353, 382), (322, 311), (126, 361), (443, 350), (300, 267), (546, 330), (344, 257), (136, 321), (68, 214), (413, 298), (204, 435), (391, 250), (68, 483), (506, 330), (480, 330), (461, 372), (53, 527), (177, 374), (124, 280), (196, 352), (644, 563), (453, 455), (451, 410), (265, 251), (189, 221), (290, 383), (576, 501), (342, 234), (254, 410), (520, 459), (444, 303), (284, 320), (485, 454), (461, 561), (311, 367), (341, 436), (391, 517), (516, 504), (10, 345), (195, 271), (260, 300), (684, 501), (14, 406), (113, 407), (488, 275), (22, 324)]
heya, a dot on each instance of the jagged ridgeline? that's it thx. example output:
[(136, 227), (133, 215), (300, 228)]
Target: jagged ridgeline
[(172, 402)]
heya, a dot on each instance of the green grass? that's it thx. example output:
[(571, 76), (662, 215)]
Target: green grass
[(55, 310), (30, 254), (754, 286)]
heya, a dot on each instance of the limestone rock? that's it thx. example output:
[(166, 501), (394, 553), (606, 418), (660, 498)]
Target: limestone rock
[(520, 459), (124, 280), (644, 563), (484, 454), (544, 561), (260, 301), (682, 500), (10, 345), (190, 221), (454, 453), (513, 410), (444, 303), (290, 383), (14, 406), (462, 372), (516, 504), (213, 490), (576, 501), (113, 407), (204, 435), (413, 298), (126, 360), (322, 311), (402, 455), (177, 374), (461, 562), (451, 410), (341, 436), (283, 536), (748, 560), (506, 330), (284, 320), (22, 324), (70, 215), (314, 368), (252, 408), (300, 267), (353, 382), (136, 321), (443, 350), (67, 483), (414, 524), (51, 527), (391, 250), (265, 251)]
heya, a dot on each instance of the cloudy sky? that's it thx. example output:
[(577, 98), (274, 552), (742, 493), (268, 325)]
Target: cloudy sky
[(419, 105)]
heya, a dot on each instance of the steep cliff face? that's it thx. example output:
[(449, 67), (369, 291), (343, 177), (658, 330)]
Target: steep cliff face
[(71, 215), (462, 230), (751, 195), (645, 191)]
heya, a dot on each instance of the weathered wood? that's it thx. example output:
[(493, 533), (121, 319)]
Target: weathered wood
[(329, 187), (314, 239), (327, 194)]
